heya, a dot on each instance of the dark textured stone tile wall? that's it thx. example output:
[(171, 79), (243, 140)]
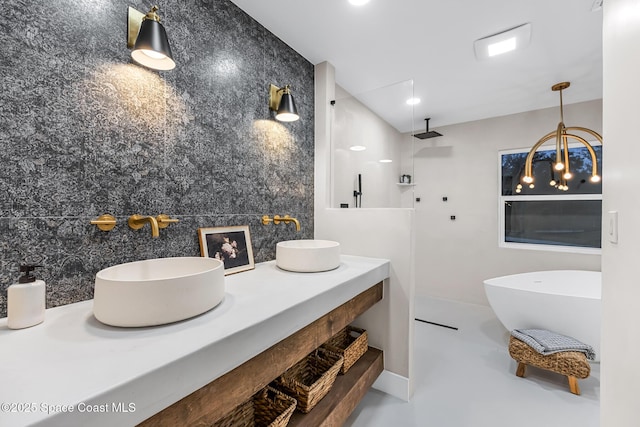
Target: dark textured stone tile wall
[(83, 131)]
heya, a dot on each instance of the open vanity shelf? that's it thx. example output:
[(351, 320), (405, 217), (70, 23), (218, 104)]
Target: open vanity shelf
[(214, 400), (345, 394)]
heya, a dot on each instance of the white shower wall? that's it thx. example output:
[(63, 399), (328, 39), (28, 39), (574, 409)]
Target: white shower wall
[(354, 124)]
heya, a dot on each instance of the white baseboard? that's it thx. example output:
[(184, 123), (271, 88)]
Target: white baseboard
[(393, 384)]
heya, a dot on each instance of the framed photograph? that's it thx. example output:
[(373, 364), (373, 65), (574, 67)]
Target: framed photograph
[(231, 245)]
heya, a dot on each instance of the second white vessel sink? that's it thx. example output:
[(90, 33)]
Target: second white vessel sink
[(308, 256), (157, 291)]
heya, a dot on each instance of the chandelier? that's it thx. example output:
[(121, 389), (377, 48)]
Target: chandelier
[(561, 164)]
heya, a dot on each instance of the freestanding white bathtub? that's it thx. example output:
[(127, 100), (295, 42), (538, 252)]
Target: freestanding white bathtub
[(563, 301)]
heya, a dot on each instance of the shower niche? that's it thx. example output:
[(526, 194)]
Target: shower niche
[(372, 148)]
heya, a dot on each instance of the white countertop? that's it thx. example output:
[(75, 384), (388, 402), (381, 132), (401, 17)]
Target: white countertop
[(106, 376)]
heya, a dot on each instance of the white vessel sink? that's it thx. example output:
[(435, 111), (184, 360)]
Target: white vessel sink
[(157, 291), (308, 256)]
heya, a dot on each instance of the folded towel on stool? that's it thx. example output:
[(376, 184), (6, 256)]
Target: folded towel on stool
[(547, 342)]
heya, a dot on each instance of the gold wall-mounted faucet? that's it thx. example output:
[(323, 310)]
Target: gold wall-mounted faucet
[(277, 219), (136, 222)]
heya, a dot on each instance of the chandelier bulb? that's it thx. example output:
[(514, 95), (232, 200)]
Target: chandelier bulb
[(553, 183), (595, 178), (567, 176), (518, 190), (527, 179), (532, 186), (559, 166)]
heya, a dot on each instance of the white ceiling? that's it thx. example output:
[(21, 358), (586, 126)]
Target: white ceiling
[(431, 42)]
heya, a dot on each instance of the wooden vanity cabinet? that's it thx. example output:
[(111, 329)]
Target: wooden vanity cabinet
[(219, 397)]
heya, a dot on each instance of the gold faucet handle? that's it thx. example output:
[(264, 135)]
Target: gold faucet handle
[(165, 220), (105, 222), (266, 220)]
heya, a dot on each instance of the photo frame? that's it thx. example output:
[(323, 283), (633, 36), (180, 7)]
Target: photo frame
[(231, 245)]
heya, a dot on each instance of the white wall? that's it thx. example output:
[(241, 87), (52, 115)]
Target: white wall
[(379, 233), (383, 233), (620, 372), (454, 257), (355, 124)]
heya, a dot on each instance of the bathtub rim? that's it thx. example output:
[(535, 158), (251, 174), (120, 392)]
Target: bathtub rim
[(502, 282)]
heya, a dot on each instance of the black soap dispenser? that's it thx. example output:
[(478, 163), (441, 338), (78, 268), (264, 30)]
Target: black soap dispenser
[(26, 300)]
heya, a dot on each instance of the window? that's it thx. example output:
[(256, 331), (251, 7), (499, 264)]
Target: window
[(545, 217)]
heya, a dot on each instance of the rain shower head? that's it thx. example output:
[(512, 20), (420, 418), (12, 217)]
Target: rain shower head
[(428, 133)]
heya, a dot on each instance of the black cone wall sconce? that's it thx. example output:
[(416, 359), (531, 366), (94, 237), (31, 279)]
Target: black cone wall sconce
[(281, 101), (148, 39)]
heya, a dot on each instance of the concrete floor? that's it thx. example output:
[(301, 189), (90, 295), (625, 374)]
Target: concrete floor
[(466, 378)]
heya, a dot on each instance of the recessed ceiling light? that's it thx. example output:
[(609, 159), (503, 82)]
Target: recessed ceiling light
[(413, 101), (386, 161), (506, 41), (357, 148), (358, 2), (502, 47)]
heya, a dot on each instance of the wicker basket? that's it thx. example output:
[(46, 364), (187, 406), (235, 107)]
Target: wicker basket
[(569, 363), (351, 343), (267, 408), (310, 379)]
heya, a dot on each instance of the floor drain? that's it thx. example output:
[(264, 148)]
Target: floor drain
[(437, 324)]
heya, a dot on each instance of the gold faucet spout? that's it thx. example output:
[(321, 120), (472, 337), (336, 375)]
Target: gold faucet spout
[(136, 222), (288, 218)]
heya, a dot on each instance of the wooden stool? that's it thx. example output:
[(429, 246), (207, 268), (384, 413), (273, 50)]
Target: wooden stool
[(572, 364)]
